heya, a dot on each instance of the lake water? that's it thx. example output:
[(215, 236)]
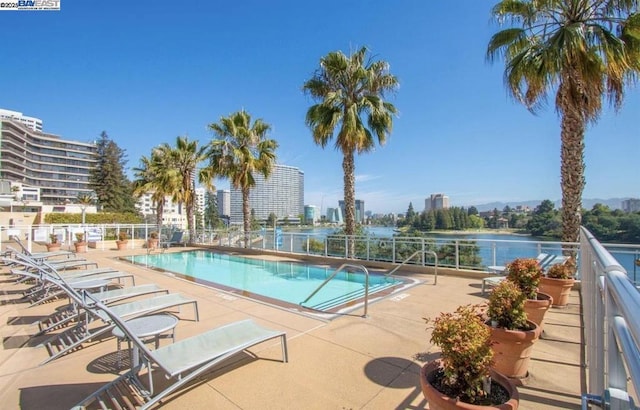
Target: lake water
[(499, 248)]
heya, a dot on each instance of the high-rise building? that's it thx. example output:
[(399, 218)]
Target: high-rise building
[(631, 205), (311, 214), (224, 203), (360, 214), (35, 124), (436, 201), (60, 168), (334, 215), (282, 194)]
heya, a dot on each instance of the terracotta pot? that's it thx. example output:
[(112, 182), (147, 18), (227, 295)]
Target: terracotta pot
[(121, 245), (536, 309), (51, 247), (81, 247), (559, 289), (439, 401), (512, 350)]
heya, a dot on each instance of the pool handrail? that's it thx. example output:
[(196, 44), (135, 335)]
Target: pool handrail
[(333, 275), (423, 252)]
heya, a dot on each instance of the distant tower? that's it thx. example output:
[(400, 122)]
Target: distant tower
[(359, 216), (436, 201)]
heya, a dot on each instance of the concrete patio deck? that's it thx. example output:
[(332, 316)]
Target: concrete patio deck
[(347, 363)]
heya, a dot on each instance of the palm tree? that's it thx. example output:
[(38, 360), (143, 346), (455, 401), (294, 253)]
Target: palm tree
[(349, 89), (240, 150), (151, 177), (580, 49), (180, 177)]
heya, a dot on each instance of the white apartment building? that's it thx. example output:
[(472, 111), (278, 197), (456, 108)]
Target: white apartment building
[(33, 123), (174, 214), (59, 168), (282, 194), (436, 201)]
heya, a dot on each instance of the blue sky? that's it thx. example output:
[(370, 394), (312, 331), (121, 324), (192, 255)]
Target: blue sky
[(148, 71)]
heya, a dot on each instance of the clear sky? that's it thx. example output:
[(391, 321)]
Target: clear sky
[(148, 71)]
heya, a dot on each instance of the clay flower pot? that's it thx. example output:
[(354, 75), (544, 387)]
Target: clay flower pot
[(536, 308), (122, 244), (51, 247), (558, 289), (81, 247), (440, 401), (512, 350)]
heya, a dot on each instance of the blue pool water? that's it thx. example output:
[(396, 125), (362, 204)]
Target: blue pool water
[(289, 282)]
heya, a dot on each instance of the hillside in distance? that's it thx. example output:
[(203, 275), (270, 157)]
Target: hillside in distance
[(587, 203)]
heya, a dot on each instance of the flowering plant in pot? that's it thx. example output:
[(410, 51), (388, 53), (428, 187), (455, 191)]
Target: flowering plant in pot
[(152, 242), (526, 273), (80, 244), (462, 377), (558, 282), (122, 241), (53, 245), (512, 334)]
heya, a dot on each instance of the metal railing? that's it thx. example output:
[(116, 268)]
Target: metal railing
[(333, 275), (416, 253), (610, 305)]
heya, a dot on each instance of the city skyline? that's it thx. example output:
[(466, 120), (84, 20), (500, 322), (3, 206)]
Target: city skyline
[(165, 73)]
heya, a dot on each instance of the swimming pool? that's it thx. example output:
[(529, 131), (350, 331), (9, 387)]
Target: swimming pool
[(279, 282)]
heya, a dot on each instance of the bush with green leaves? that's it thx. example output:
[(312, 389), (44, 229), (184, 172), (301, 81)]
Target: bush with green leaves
[(506, 306), (564, 270), (525, 273), (466, 351)]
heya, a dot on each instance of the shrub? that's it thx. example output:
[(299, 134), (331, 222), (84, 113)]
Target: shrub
[(122, 236), (525, 273), (53, 237), (79, 236), (466, 351), (564, 270), (506, 306)]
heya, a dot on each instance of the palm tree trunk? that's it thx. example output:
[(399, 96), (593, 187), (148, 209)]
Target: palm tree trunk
[(191, 227), (159, 214), (246, 214), (571, 162), (348, 166)]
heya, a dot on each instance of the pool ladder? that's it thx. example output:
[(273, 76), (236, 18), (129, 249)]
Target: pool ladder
[(423, 253), (333, 275)]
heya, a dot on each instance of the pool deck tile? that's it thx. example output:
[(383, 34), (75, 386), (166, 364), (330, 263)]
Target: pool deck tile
[(347, 363)]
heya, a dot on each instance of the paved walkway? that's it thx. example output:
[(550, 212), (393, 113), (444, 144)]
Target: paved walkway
[(348, 363)]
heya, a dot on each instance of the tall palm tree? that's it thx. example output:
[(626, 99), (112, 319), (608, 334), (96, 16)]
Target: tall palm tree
[(150, 176), (350, 89), (180, 178), (582, 50), (240, 150)]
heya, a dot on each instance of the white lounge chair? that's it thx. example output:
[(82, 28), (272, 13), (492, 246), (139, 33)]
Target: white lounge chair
[(181, 362), (544, 259)]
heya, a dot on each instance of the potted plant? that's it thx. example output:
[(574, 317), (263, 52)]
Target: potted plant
[(152, 242), (53, 245), (558, 282), (122, 241), (526, 273), (512, 334), (80, 244), (462, 377)]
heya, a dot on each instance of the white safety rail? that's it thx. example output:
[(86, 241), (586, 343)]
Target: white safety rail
[(610, 303)]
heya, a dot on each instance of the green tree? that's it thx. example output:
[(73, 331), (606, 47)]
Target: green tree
[(350, 89), (211, 217), (240, 150), (272, 219), (113, 189), (582, 51), (184, 160), (472, 211), (411, 215), (150, 177), (544, 220)]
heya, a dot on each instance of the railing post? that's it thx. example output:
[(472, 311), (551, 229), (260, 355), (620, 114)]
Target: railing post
[(493, 253), (393, 250), (457, 254)]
